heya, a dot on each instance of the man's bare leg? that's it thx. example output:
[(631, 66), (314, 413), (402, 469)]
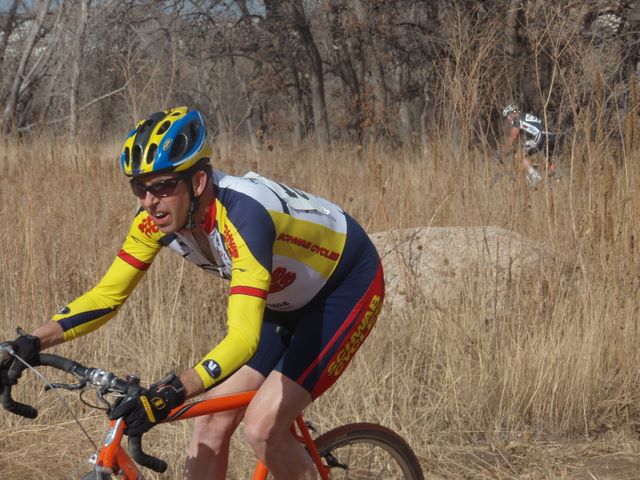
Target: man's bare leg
[(208, 454), (268, 422)]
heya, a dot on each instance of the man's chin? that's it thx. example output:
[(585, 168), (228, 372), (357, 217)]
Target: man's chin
[(168, 229)]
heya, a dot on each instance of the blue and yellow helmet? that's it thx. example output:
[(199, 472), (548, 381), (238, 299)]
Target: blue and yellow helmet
[(170, 141)]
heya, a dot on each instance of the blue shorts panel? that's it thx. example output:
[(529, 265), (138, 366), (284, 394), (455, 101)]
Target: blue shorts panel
[(313, 345)]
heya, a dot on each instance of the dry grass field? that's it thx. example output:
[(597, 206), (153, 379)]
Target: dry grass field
[(546, 388)]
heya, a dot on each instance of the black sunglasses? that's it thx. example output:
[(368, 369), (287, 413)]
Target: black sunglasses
[(160, 189)]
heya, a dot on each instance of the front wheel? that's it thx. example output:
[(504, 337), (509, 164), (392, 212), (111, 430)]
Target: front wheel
[(368, 451)]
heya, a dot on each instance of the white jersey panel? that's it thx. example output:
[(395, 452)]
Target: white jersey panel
[(292, 280)]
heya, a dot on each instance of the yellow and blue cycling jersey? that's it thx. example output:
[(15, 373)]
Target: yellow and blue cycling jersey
[(277, 246)]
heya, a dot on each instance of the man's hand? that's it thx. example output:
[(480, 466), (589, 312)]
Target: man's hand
[(148, 407), (26, 347)]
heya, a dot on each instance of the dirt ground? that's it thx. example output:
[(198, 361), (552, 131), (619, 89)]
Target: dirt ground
[(612, 458)]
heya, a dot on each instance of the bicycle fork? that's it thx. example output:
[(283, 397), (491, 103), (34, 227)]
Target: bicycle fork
[(111, 459)]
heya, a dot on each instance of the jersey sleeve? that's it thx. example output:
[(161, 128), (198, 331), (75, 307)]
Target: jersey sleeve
[(94, 308), (250, 246)]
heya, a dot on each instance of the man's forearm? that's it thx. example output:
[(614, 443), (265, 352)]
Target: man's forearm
[(192, 383), (50, 334)]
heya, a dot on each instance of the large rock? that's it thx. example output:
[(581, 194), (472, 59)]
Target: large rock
[(429, 263)]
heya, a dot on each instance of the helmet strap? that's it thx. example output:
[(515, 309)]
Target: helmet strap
[(193, 208), (194, 203)]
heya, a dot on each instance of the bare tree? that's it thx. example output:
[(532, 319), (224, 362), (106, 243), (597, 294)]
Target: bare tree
[(77, 51), (7, 28), (8, 115), (389, 70), (314, 61)]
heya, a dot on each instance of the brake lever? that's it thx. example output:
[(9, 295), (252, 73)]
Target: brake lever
[(100, 393), (66, 386)]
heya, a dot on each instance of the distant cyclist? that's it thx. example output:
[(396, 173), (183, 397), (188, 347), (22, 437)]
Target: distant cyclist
[(537, 139)]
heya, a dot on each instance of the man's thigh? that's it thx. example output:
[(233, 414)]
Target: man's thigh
[(245, 378)]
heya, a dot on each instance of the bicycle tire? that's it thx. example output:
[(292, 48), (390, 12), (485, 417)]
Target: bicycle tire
[(368, 451)]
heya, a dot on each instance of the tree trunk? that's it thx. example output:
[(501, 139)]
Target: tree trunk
[(9, 113), (344, 67), (7, 29), (75, 69), (372, 50), (512, 47), (299, 114), (320, 118)]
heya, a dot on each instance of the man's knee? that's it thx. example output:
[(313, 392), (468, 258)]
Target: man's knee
[(261, 431), (258, 432)]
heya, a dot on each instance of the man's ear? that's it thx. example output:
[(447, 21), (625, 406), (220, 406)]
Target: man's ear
[(199, 182)]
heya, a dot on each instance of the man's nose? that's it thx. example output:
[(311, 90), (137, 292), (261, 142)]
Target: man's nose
[(149, 199)]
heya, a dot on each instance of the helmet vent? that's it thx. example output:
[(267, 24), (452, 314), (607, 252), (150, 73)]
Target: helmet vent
[(179, 147), (143, 127), (194, 129), (164, 127), (136, 155), (151, 153), (127, 157)]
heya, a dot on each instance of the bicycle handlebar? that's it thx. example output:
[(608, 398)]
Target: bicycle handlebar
[(17, 408), (23, 409), (141, 458), (87, 376)]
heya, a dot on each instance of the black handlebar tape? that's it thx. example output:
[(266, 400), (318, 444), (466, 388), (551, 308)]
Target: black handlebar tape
[(27, 411), (141, 458), (17, 408), (61, 363)]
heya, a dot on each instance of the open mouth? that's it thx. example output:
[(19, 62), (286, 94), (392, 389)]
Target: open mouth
[(160, 218)]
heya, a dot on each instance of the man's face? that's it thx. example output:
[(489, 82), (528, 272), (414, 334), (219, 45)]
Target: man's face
[(165, 197)]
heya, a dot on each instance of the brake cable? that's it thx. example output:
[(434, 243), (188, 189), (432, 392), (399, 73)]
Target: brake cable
[(61, 399)]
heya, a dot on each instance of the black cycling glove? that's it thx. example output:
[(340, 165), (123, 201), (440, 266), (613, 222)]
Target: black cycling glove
[(146, 408), (26, 347)]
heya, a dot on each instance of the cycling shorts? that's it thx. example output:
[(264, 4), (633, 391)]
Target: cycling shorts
[(313, 345), (532, 147)]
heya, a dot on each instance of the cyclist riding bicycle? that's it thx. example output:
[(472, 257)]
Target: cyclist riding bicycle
[(537, 139), (306, 287)]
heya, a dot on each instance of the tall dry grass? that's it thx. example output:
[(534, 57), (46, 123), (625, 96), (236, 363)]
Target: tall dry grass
[(558, 365)]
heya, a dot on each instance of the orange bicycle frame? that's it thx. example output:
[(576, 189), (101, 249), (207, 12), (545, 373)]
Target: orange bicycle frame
[(113, 458)]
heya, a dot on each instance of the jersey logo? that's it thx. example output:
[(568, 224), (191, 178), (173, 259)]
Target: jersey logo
[(148, 227), (212, 368), (230, 243), (158, 402), (308, 245), (281, 278), (358, 335)]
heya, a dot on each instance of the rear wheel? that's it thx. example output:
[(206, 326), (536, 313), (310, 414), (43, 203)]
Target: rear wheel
[(368, 451)]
